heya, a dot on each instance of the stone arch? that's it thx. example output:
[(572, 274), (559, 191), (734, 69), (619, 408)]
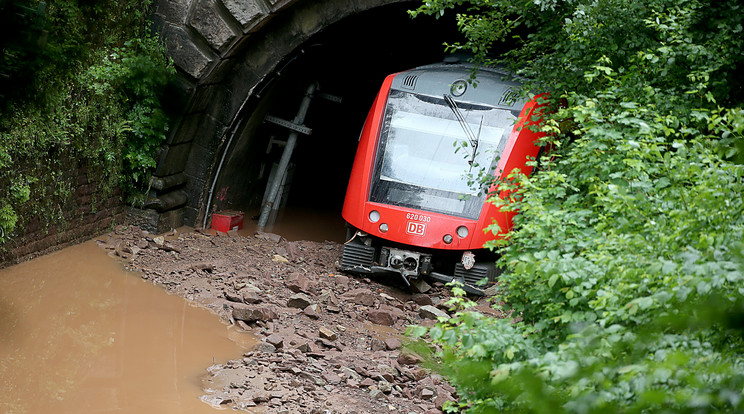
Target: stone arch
[(224, 50)]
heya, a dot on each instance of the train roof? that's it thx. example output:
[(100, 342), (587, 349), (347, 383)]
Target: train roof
[(493, 86)]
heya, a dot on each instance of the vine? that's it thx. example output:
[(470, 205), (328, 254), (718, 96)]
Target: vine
[(89, 96)]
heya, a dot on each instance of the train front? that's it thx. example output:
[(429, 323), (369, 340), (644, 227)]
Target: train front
[(415, 204)]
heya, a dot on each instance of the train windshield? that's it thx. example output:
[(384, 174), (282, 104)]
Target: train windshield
[(427, 158)]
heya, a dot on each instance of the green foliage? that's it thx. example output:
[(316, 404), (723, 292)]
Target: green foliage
[(625, 266), (91, 97)]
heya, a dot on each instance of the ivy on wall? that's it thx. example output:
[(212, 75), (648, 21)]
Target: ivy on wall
[(85, 83)]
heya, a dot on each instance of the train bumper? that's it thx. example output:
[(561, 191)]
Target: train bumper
[(410, 265)]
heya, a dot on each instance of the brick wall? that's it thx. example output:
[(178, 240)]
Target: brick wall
[(84, 217)]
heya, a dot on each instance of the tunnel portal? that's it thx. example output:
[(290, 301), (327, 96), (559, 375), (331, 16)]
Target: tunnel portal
[(220, 157)]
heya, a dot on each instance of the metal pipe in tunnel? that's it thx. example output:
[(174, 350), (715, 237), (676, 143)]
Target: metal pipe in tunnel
[(276, 183)]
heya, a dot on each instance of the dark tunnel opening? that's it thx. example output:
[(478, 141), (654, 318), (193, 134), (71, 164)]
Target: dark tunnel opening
[(348, 60)]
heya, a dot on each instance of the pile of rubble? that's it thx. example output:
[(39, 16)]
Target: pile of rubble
[(328, 342)]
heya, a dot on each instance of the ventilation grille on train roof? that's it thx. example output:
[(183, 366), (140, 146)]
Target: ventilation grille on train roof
[(509, 98), (409, 82)]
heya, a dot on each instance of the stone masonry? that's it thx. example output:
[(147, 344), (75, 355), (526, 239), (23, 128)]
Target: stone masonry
[(224, 50)]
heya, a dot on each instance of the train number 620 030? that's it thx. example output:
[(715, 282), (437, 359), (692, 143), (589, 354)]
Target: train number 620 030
[(418, 217)]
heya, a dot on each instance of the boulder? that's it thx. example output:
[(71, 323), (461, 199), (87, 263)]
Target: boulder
[(299, 301), (430, 312), (297, 283), (327, 333), (381, 317), (393, 344), (251, 313), (276, 340), (407, 358), (363, 297), (422, 299)]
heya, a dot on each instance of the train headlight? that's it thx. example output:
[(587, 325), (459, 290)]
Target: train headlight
[(383, 228), (374, 216), (462, 231), (458, 88), (447, 238)]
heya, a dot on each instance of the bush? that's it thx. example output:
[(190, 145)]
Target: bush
[(625, 266), (92, 96)]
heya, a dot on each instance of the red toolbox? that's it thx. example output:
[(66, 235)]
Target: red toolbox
[(225, 221)]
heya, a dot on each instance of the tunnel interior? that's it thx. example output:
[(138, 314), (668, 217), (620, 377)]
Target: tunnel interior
[(348, 60)]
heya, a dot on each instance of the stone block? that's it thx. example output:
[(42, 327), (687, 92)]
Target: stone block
[(173, 160), (248, 13), (207, 19), (187, 56), (172, 11)]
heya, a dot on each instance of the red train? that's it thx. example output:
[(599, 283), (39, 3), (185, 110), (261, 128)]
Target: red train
[(409, 205)]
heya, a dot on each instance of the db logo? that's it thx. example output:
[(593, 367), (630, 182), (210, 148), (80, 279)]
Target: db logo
[(416, 228)]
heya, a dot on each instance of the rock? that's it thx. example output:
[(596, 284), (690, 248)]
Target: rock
[(304, 347), (427, 394), (422, 299), (216, 401), (363, 297), (367, 382), (331, 378), (233, 297), (206, 267), (269, 236), (381, 317), (442, 396), (250, 313), (375, 393), (279, 259), (407, 358), (261, 397), (327, 333), (311, 312), (430, 312), (385, 387), (333, 309), (251, 297), (341, 281), (265, 347), (293, 250), (376, 345), (297, 282), (420, 285), (299, 301), (276, 340), (387, 297), (393, 344), (491, 291)]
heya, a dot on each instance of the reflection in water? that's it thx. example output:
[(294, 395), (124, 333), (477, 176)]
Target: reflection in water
[(294, 223), (78, 334)]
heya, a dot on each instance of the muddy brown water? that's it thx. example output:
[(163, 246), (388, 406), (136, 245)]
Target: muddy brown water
[(296, 223), (79, 334)]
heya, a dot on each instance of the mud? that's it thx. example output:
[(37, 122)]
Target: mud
[(329, 342), (79, 334)]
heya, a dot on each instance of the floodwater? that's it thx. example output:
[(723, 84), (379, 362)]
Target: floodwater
[(79, 334), (296, 223)]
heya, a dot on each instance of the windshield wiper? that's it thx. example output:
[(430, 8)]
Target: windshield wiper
[(472, 138)]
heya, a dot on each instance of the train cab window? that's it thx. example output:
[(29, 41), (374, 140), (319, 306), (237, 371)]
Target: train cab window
[(417, 164)]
